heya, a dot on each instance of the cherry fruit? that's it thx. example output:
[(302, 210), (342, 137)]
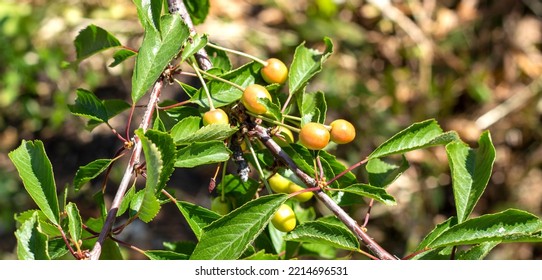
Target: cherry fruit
[(314, 136)]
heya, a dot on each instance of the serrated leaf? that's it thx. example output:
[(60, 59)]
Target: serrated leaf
[(56, 248), (36, 171), (220, 60), (120, 56), (478, 252), (92, 40), (234, 186), (193, 45), (228, 237), (207, 133), (197, 217), (376, 193), (31, 243), (126, 200), (197, 154), (75, 224), (382, 174), (90, 171), (149, 13), (89, 106), (185, 127), (436, 232), (222, 93), (154, 166), (306, 63), (417, 136), (165, 255), (167, 149), (326, 233), (345, 180), (261, 255), (197, 9), (113, 107), (511, 225), (313, 107), (471, 170), (156, 51)]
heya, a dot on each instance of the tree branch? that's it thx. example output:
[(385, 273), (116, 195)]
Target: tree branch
[(128, 173)]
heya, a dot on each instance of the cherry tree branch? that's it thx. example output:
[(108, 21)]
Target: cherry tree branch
[(128, 173)]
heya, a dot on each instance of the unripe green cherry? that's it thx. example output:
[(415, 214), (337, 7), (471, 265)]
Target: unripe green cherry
[(342, 131), (284, 219), (275, 71), (314, 136), (279, 184), (220, 206), (302, 197), (250, 98), (216, 116)]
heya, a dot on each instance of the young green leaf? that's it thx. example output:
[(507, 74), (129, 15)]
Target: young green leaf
[(166, 147), (376, 193), (207, 133), (192, 46), (120, 56), (89, 106), (478, 252), (228, 237), (197, 9), (382, 174), (156, 51), (149, 13), (313, 107), (185, 127), (92, 40), (471, 169), (90, 171), (36, 171), (31, 243), (197, 154), (75, 224), (324, 233), (222, 93), (417, 136), (197, 216), (511, 225), (307, 63)]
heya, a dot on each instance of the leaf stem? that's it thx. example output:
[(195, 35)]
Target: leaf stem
[(260, 171), (207, 93), (261, 61), (223, 80)]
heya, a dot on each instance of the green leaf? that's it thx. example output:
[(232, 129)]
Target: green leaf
[(193, 45), (511, 225), (471, 169), (113, 107), (261, 255), (75, 224), (167, 149), (165, 255), (157, 50), (273, 110), (90, 171), (154, 165), (92, 40), (337, 167), (197, 9), (126, 200), (149, 13), (228, 237), (241, 191), (207, 133), (31, 243), (313, 107), (56, 248), (478, 252), (121, 55), (382, 174), (324, 233), (223, 94), (436, 232), (376, 193), (197, 154), (89, 106), (197, 216), (417, 136), (185, 127), (36, 172), (307, 63), (219, 58)]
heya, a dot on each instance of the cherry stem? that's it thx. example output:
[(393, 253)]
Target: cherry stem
[(261, 61), (260, 170), (292, 117), (368, 214), (347, 170), (209, 99), (286, 103), (223, 80), (295, 129)]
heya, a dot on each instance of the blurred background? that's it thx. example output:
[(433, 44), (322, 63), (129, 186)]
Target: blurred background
[(472, 65)]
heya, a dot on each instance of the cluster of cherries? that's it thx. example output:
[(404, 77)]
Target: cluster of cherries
[(314, 136)]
